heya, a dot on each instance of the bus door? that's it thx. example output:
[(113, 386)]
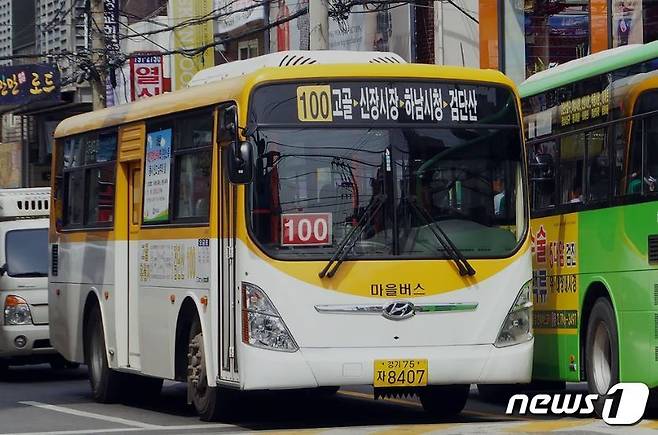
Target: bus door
[(228, 288), (129, 216)]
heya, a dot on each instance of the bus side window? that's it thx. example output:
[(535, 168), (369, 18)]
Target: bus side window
[(543, 158), (572, 158), (598, 166), (193, 162), (621, 145), (88, 176), (651, 144)]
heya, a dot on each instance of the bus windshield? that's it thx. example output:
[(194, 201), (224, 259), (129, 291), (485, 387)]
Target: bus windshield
[(27, 252), (313, 185)]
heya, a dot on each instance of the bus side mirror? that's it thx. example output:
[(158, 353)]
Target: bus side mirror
[(240, 162), (541, 167)]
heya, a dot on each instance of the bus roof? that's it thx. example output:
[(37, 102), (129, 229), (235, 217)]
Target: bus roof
[(232, 89), (588, 66)]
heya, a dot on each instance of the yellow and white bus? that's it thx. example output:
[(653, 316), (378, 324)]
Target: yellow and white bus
[(310, 224)]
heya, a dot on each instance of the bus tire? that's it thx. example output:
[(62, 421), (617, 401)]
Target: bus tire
[(444, 401), (601, 351), (4, 369), (210, 403), (105, 382)]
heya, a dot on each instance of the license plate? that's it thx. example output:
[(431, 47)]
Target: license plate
[(400, 373)]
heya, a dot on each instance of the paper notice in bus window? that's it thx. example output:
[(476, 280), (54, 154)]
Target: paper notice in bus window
[(157, 175), (306, 229)]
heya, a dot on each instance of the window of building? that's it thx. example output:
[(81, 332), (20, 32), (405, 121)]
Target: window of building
[(555, 33), (634, 22), (181, 146), (88, 174), (247, 49)]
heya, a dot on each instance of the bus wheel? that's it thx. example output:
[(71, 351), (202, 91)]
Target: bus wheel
[(444, 400), (211, 403), (105, 382), (602, 350)]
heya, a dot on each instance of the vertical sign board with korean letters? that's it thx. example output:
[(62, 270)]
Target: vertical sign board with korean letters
[(157, 172), (191, 37), (146, 76), (555, 274)]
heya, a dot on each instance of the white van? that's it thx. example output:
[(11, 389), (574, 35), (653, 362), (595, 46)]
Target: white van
[(24, 336)]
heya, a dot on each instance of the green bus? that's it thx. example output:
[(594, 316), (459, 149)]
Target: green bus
[(592, 131)]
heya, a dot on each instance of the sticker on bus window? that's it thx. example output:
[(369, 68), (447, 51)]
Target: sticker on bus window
[(306, 229)]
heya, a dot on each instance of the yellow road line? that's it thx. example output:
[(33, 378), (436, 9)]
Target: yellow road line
[(650, 424), (416, 429), (549, 425), (418, 405)]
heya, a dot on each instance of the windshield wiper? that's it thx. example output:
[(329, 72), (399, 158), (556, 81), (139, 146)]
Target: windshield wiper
[(453, 252), (337, 259), (28, 275)]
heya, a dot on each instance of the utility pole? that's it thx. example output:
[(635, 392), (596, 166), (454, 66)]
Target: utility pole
[(98, 78), (318, 25)]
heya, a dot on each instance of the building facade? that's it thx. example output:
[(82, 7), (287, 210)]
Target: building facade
[(522, 37)]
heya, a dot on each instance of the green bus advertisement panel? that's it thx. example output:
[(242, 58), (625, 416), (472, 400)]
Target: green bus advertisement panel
[(592, 131)]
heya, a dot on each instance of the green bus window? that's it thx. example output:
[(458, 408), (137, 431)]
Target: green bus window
[(572, 158), (620, 142), (598, 166), (543, 158), (633, 172), (651, 147)]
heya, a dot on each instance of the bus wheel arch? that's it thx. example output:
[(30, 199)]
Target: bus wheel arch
[(105, 382), (211, 403), (598, 330), (187, 314)]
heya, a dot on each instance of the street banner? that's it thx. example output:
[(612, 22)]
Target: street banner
[(24, 84), (146, 76), (190, 37), (237, 13), (111, 31)]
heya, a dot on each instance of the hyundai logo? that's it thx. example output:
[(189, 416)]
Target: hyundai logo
[(399, 310)]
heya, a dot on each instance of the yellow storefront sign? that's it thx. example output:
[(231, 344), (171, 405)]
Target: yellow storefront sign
[(191, 37)]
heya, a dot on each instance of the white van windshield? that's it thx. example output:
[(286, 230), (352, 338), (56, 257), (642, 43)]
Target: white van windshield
[(27, 252)]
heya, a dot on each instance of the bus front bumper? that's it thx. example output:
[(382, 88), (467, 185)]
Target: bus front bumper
[(314, 367)]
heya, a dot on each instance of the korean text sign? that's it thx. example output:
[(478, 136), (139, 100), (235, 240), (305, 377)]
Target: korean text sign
[(25, 83), (156, 181), (146, 76)]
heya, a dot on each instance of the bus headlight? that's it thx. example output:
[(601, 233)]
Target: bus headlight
[(517, 327), (262, 325), (17, 311)]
